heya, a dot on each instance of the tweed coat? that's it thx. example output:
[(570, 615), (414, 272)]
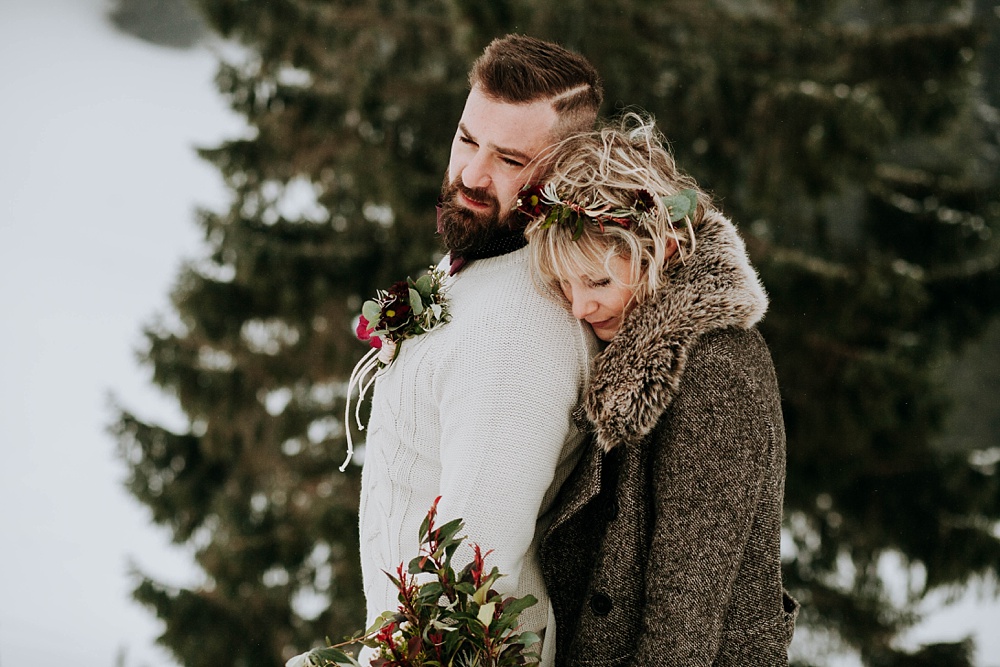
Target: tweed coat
[(664, 547)]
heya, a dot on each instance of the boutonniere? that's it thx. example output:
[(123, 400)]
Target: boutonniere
[(407, 309)]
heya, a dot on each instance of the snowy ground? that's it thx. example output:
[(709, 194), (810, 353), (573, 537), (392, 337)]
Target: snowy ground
[(98, 182)]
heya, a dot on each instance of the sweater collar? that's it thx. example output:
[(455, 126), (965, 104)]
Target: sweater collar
[(637, 375)]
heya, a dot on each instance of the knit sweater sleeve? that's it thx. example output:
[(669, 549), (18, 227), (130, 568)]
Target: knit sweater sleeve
[(708, 468), (505, 403)]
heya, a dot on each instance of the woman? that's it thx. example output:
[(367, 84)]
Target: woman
[(664, 548)]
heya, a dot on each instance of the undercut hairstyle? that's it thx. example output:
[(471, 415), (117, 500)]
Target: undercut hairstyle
[(609, 166), (517, 69)]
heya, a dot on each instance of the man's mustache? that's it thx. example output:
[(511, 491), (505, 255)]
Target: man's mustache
[(480, 195)]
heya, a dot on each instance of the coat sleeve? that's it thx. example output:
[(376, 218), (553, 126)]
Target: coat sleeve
[(708, 461)]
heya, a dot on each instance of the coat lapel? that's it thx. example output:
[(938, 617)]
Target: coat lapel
[(582, 486)]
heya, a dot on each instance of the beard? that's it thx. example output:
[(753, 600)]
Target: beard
[(463, 230)]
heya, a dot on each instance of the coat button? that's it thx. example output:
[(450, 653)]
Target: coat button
[(600, 604)]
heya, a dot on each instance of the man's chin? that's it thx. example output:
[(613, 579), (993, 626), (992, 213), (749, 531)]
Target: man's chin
[(462, 233)]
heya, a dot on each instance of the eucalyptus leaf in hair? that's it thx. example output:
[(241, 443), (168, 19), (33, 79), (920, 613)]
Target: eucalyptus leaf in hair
[(680, 205)]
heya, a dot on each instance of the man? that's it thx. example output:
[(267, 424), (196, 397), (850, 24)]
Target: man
[(478, 411)]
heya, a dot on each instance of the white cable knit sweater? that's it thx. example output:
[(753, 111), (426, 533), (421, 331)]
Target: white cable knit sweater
[(478, 412)]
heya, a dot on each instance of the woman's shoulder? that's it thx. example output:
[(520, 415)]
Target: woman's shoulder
[(732, 361), (731, 340), (728, 406), (728, 368)]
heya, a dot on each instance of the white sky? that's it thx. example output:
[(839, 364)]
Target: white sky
[(98, 183)]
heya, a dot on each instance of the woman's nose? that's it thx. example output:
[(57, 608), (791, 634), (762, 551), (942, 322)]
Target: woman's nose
[(582, 306)]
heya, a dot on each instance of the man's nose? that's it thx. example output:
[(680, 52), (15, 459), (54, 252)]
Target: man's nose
[(475, 174)]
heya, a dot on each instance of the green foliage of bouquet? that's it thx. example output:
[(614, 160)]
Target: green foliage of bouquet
[(450, 620)]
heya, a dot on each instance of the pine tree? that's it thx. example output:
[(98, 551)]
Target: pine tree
[(851, 142)]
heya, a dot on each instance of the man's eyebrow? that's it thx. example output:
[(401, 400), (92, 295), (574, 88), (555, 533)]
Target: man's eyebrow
[(507, 152), (516, 154)]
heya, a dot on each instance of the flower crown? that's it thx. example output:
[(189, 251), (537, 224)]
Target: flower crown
[(535, 201)]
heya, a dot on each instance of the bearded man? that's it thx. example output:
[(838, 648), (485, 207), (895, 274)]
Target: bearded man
[(478, 411)]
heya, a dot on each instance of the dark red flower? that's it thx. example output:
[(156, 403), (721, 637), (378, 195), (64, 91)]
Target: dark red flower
[(400, 290), (396, 309), (529, 202), (644, 201)]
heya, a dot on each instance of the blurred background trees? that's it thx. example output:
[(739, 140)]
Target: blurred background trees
[(172, 23), (854, 143)]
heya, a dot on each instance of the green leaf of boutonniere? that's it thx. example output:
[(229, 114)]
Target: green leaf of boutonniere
[(372, 311), (424, 285), (416, 303)]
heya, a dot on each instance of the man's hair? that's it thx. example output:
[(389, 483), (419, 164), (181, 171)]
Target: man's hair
[(517, 69)]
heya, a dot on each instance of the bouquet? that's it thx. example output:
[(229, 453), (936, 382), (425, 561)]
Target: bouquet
[(444, 619)]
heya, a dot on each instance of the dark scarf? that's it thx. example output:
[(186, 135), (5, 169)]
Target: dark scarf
[(500, 243)]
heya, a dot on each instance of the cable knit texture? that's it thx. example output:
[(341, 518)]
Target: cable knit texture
[(477, 411), (664, 549)]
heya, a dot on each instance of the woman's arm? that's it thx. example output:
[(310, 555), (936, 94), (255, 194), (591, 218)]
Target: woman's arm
[(709, 458)]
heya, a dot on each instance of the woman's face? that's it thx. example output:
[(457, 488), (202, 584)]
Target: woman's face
[(602, 299)]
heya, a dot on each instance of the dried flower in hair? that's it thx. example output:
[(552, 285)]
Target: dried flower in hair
[(644, 201)]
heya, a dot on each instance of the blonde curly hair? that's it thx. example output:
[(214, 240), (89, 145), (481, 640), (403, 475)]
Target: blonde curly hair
[(609, 166)]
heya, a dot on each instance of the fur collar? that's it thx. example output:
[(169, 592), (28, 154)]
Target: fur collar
[(637, 376)]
